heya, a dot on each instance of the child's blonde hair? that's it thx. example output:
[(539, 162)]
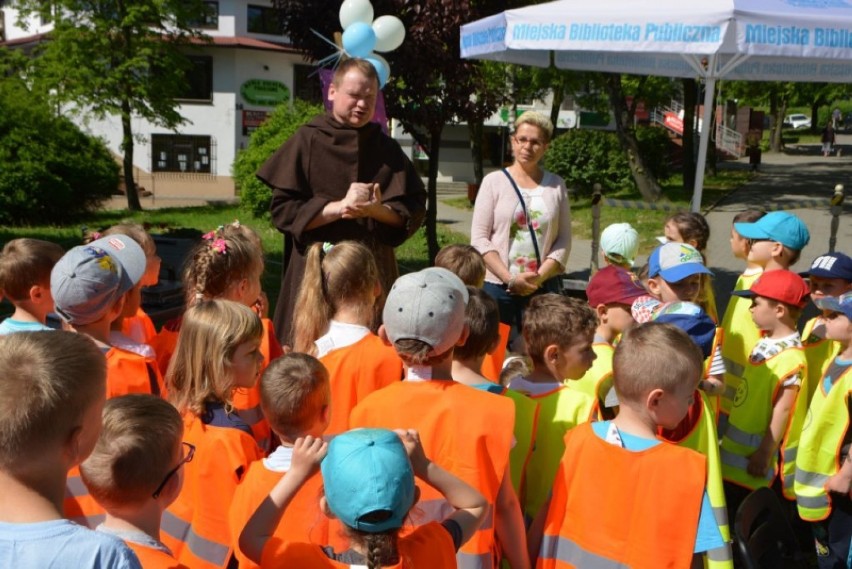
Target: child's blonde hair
[(221, 259), (554, 319), (652, 356), (25, 263), (48, 382), (135, 450), (346, 275), (135, 232), (210, 333), (463, 260), (294, 389)]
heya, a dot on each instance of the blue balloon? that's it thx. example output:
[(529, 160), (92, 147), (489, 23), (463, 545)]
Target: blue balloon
[(382, 68), (359, 39)]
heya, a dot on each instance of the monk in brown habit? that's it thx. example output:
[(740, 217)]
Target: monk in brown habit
[(340, 177)]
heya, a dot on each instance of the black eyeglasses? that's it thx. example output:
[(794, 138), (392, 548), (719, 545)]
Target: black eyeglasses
[(189, 453)]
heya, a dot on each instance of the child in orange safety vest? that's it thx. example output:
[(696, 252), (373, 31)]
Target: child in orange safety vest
[(369, 486), (467, 429), (228, 264), (337, 298), (594, 514), (218, 351), (295, 396), (134, 473)]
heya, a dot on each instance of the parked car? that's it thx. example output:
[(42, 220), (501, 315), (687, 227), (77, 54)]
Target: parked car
[(797, 121)]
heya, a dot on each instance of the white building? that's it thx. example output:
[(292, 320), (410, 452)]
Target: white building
[(236, 80)]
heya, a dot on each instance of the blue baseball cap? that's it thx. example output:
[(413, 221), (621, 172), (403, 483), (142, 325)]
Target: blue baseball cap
[(831, 266), (780, 226), (692, 319), (841, 304), (368, 479), (675, 262)]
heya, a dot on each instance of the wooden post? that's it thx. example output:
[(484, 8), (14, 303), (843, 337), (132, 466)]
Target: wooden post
[(596, 228)]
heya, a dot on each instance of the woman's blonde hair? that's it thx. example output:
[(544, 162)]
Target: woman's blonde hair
[(210, 333), (536, 119), (346, 275), (222, 258)]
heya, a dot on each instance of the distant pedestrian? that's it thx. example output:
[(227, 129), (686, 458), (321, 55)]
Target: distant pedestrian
[(836, 117), (828, 139)]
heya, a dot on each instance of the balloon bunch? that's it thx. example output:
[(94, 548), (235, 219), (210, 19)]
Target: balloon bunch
[(363, 36)]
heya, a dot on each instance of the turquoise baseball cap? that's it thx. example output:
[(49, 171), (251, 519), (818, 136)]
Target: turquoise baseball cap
[(368, 479), (780, 226)]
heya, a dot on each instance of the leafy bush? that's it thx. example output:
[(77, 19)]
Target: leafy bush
[(50, 171), (586, 157), (278, 127)]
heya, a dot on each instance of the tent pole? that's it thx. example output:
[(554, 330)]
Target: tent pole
[(704, 139)]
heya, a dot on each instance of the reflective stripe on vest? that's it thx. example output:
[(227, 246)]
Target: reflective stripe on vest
[(820, 456), (750, 418), (733, 368), (558, 548), (202, 548)]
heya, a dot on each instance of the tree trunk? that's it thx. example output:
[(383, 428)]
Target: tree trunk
[(133, 203), (690, 101), (815, 116), (475, 129), (432, 191), (556, 105), (648, 185), (777, 110)]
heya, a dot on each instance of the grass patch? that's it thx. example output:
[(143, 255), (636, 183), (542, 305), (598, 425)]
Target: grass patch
[(412, 255), (459, 203), (649, 223)]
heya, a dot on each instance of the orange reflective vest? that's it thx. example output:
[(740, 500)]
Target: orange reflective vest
[(195, 527), (492, 365), (430, 546), (151, 558), (303, 521), (79, 506), (620, 527), (129, 372), (245, 400), (463, 429), (356, 371), (139, 327)]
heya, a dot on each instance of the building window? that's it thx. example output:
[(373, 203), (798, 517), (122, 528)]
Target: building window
[(199, 80), (306, 84), (263, 20), (209, 20), (178, 153)]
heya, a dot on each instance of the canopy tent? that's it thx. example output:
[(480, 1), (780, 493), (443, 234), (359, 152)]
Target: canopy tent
[(753, 40)]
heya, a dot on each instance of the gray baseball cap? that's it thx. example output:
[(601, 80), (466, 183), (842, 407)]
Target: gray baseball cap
[(429, 306), (89, 279)]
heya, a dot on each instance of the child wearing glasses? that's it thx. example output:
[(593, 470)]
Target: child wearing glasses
[(135, 473), (218, 352), (52, 391)]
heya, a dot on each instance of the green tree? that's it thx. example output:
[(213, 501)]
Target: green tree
[(118, 57), (50, 171), (278, 127)]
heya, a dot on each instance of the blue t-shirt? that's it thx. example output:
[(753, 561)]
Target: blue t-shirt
[(10, 326), (708, 536), (62, 544)]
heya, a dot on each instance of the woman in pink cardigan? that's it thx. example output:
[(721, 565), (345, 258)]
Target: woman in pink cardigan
[(524, 244)]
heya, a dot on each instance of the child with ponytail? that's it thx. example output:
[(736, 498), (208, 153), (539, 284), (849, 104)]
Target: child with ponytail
[(337, 307), (218, 352), (227, 264), (368, 477)]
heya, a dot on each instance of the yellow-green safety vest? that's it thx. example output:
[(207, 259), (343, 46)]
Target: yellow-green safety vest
[(750, 417), (820, 454), (559, 411), (741, 335), (704, 440), (820, 352), (526, 423)]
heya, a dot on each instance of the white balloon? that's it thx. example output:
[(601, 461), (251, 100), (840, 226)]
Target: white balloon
[(352, 11), (389, 33)]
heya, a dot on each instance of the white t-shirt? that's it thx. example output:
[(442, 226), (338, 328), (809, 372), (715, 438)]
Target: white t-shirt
[(521, 250), (339, 335), (768, 347), (523, 385)]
